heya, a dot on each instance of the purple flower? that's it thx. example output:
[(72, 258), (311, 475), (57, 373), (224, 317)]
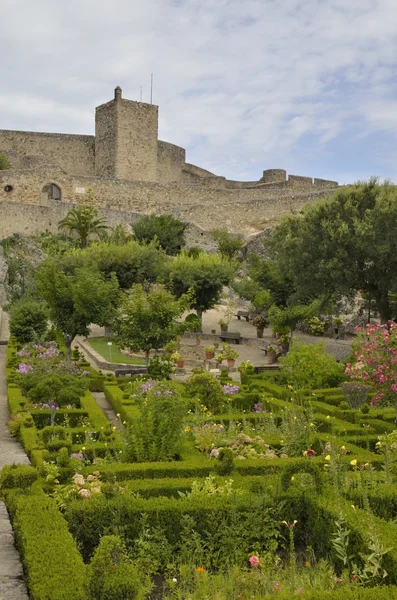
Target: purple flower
[(258, 408), (24, 368), (229, 390), (77, 455)]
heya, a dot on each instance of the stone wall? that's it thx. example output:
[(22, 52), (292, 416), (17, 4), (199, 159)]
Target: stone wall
[(170, 162), (105, 140), (73, 153)]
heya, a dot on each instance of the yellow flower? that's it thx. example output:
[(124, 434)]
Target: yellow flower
[(328, 457), (311, 424), (187, 429), (353, 462), (205, 408), (327, 417), (209, 414), (343, 447), (292, 478), (114, 428), (83, 448), (304, 452), (118, 415), (290, 387)]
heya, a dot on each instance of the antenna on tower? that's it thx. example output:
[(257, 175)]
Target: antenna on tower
[(151, 88)]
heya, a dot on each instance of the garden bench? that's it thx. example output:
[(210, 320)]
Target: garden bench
[(243, 313), (132, 371), (229, 336)]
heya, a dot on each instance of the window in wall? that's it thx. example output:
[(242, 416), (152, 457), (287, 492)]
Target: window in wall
[(52, 191)]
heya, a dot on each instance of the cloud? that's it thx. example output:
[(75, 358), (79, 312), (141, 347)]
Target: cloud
[(244, 85)]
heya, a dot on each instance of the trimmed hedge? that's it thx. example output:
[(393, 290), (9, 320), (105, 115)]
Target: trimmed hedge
[(52, 563), (17, 476)]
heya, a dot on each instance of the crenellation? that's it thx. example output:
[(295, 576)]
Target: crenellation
[(131, 171)]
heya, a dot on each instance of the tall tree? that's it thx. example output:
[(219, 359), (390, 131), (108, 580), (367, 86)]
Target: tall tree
[(149, 320), (341, 245), (204, 275), (83, 221), (166, 229), (229, 244), (75, 301)]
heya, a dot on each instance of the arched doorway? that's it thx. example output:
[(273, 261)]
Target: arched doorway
[(51, 191)]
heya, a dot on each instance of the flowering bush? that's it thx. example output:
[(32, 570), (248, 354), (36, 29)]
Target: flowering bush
[(229, 390), (375, 360)]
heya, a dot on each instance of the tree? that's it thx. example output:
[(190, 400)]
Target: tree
[(131, 262), (341, 245), (28, 321), (149, 320), (229, 244), (75, 301), (166, 229), (84, 221), (4, 162), (205, 275)]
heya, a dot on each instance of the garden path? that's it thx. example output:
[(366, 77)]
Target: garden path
[(12, 586)]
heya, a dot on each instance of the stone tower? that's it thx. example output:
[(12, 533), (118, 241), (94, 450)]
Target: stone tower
[(126, 139)]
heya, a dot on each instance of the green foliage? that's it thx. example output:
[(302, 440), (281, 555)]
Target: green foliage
[(225, 462), (76, 301), (17, 476), (207, 389), (309, 367), (356, 393), (61, 389), (164, 229), (52, 563), (28, 321), (341, 245), (4, 162), (229, 244), (83, 221), (155, 434), (193, 323), (205, 276), (161, 367), (149, 320), (112, 575)]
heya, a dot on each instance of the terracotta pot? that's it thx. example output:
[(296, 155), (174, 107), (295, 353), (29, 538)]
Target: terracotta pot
[(180, 363), (209, 355), (231, 362)]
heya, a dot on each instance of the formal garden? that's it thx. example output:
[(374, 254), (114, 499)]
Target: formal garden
[(279, 485)]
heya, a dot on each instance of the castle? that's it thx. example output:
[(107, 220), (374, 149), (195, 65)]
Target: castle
[(132, 172)]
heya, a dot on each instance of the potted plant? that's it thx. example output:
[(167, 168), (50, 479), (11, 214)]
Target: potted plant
[(219, 357), (198, 340), (272, 354), (230, 354), (177, 358), (171, 347), (209, 352), (223, 324), (339, 330), (260, 322), (284, 340)]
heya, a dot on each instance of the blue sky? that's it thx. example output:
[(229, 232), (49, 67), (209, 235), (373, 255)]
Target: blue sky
[(243, 85)]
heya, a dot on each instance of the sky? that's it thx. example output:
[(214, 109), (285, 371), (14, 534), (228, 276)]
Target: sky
[(244, 85)]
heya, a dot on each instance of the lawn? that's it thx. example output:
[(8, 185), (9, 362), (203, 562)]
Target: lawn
[(112, 353)]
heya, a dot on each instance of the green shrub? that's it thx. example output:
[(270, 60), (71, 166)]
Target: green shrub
[(309, 366), (52, 563), (208, 389), (356, 393), (17, 476), (111, 574), (28, 321)]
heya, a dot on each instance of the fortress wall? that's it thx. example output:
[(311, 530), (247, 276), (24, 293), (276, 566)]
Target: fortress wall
[(320, 183), (192, 173), (74, 153), (299, 182), (105, 140), (272, 175), (170, 162)]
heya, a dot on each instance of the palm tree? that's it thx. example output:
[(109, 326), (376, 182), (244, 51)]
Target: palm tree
[(84, 221)]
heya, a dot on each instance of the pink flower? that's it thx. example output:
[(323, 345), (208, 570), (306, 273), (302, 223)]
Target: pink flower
[(253, 561), (301, 591), (85, 493)]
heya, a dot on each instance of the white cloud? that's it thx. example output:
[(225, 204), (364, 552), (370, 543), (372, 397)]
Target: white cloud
[(240, 83)]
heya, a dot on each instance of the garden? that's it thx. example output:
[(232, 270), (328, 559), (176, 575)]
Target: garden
[(279, 485)]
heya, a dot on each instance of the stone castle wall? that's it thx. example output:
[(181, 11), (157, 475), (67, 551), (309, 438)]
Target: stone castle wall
[(73, 153), (130, 170)]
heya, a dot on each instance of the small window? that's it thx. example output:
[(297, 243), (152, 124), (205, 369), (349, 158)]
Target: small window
[(8, 188), (52, 191)]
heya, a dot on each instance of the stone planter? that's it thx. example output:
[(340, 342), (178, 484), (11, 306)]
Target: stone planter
[(259, 332), (272, 356), (224, 328)]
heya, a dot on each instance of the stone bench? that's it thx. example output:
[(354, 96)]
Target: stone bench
[(132, 371), (230, 336), (243, 313)]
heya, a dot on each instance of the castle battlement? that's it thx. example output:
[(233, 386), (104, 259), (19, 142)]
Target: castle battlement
[(130, 169)]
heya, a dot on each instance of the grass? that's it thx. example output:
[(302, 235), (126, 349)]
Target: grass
[(112, 353)]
